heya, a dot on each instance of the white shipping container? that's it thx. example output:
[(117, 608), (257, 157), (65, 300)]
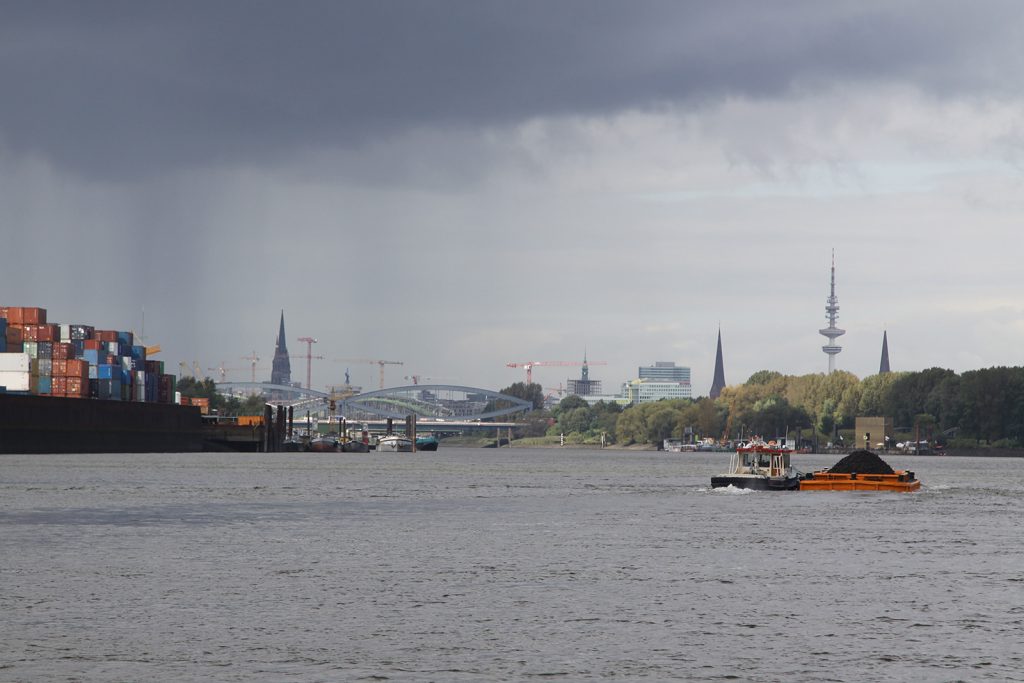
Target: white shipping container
[(14, 381), (65, 332), (14, 362)]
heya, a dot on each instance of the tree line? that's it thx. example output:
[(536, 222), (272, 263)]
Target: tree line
[(221, 404), (978, 406)]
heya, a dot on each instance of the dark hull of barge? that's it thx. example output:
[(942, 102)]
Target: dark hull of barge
[(48, 424)]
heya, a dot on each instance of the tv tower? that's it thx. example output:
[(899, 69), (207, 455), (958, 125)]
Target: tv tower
[(831, 314)]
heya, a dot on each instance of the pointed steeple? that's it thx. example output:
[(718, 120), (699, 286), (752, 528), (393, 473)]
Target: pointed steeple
[(281, 370), (719, 382), (884, 365)]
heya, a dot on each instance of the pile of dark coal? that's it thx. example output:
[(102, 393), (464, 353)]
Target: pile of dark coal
[(861, 462)]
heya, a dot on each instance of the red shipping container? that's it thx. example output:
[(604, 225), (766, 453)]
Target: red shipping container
[(105, 335), (15, 315), (15, 347), (77, 368), (60, 386), (92, 344), (60, 368), (15, 335), (34, 316), (77, 387), (45, 333), (63, 351)]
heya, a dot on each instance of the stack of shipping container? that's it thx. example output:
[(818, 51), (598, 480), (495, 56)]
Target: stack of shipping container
[(76, 361)]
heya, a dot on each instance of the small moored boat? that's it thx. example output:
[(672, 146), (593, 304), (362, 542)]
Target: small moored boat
[(428, 442), (760, 466), (393, 443), (325, 443)]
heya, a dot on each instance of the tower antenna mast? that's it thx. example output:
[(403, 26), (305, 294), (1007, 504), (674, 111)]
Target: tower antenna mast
[(832, 315)]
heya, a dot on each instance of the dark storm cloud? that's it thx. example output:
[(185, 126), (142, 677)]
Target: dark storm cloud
[(121, 88)]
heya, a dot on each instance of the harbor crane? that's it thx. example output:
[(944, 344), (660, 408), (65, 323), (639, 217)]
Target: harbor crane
[(223, 371), (530, 365), (371, 361), (254, 359), (309, 359)]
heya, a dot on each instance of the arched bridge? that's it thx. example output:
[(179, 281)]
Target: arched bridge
[(426, 401)]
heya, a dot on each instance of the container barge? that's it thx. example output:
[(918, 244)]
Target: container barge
[(68, 388)]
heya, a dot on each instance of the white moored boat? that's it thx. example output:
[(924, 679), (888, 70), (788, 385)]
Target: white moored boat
[(394, 443)]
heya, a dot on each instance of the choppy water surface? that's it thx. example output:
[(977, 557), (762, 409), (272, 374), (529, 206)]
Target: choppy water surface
[(504, 564)]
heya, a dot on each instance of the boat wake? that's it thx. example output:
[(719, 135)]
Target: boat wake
[(729, 490)]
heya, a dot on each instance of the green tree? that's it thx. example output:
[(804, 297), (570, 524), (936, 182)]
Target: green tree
[(763, 377), (532, 392)]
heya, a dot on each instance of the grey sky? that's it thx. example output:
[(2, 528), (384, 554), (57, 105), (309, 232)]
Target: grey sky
[(461, 184)]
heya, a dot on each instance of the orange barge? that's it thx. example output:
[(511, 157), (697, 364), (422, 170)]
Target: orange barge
[(901, 480)]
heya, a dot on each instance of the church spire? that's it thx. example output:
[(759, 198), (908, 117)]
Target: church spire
[(884, 365), (719, 382), (281, 370)]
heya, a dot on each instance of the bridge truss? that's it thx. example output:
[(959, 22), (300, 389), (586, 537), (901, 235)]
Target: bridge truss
[(427, 401)]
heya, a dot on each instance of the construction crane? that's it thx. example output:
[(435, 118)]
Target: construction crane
[(224, 371), (309, 359), (529, 365), (416, 378), (254, 359), (381, 363)]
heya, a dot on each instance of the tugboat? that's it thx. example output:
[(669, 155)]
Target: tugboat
[(760, 466)]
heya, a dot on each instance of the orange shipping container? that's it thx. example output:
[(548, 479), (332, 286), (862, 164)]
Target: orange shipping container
[(15, 315), (77, 368), (60, 368), (92, 344), (15, 335), (250, 420), (60, 386)]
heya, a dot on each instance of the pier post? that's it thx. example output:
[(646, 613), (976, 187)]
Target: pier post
[(279, 431), (291, 422), (391, 426), (268, 427), (410, 430)]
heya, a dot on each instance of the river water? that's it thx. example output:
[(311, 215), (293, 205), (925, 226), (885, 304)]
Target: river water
[(511, 564)]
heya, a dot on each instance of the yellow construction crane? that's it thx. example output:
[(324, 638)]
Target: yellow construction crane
[(372, 361)]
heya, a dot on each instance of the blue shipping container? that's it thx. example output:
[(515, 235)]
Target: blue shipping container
[(45, 384), (104, 371)]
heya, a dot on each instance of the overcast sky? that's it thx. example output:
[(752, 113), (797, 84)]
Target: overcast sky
[(459, 185)]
